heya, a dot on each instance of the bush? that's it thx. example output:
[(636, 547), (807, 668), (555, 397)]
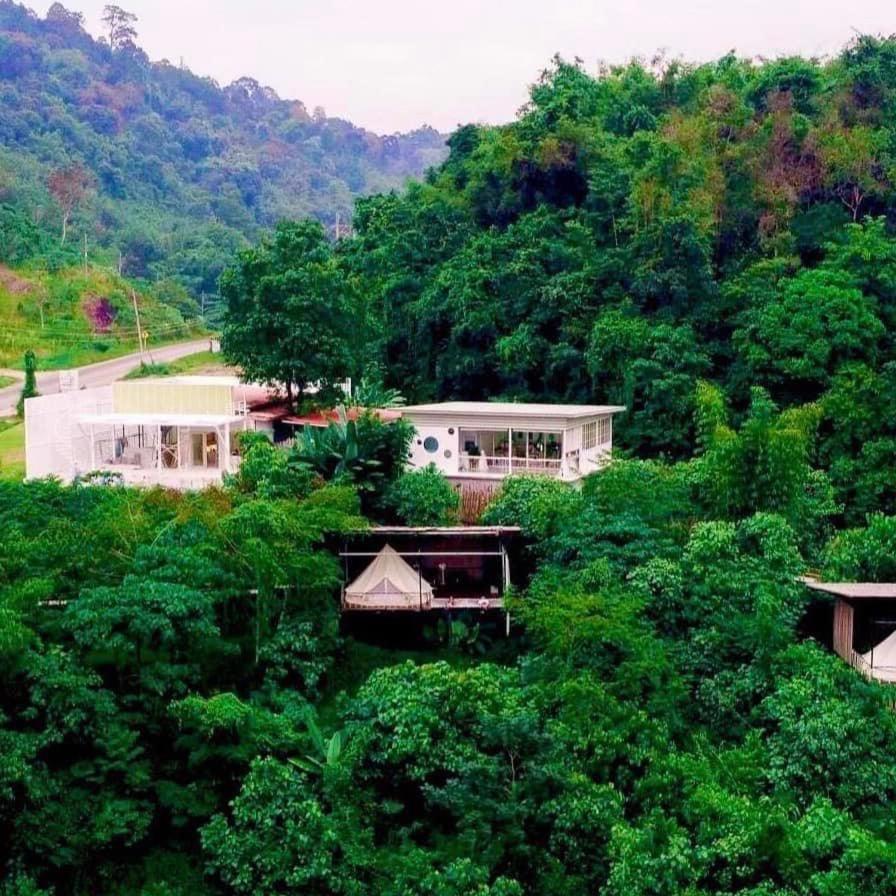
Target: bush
[(423, 498)]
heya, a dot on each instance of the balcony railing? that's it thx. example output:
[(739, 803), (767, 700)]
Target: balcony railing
[(502, 465)]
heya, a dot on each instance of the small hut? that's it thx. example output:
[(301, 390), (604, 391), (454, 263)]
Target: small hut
[(388, 583), (863, 612)]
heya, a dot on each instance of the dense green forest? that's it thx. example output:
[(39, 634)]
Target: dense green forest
[(163, 172), (181, 710), (635, 233)]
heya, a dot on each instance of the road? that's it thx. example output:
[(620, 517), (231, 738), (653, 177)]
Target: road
[(102, 373)]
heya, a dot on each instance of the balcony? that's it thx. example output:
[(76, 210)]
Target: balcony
[(502, 465)]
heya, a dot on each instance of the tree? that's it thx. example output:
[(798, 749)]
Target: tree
[(29, 388), (58, 14), (287, 320), (120, 24), (70, 187)]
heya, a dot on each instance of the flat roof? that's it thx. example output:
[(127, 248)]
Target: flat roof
[(440, 530), (854, 590), (513, 408)]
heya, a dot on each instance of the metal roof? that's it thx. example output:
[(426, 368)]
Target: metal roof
[(854, 590), (512, 408)]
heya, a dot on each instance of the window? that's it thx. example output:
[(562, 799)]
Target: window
[(431, 444), (600, 432), (589, 435)]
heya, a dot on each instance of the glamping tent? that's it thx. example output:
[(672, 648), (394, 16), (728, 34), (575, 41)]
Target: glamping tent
[(880, 661), (388, 583)]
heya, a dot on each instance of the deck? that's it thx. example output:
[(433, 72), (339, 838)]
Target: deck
[(184, 480)]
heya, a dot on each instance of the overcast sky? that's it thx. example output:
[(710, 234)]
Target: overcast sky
[(392, 65)]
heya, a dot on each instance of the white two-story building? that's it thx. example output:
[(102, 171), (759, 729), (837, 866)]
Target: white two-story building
[(472, 441)]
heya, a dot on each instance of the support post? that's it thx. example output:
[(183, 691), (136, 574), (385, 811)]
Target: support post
[(226, 429), (92, 447), (159, 447), (509, 450)]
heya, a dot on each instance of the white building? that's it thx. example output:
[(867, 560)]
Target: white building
[(177, 431), (480, 441)]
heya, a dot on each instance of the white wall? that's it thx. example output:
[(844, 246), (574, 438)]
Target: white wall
[(448, 441), (55, 444)]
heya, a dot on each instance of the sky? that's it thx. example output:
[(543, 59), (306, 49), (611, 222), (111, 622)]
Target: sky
[(393, 65)]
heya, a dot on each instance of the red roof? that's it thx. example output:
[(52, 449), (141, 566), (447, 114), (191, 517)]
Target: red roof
[(322, 419)]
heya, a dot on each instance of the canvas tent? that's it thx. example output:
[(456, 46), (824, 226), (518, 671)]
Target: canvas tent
[(388, 583), (880, 661)]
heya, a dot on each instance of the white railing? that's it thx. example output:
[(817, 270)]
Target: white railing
[(502, 465)]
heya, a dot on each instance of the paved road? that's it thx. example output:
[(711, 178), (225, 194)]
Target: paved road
[(101, 373)]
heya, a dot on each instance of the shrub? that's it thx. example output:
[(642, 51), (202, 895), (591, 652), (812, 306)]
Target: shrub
[(423, 498)]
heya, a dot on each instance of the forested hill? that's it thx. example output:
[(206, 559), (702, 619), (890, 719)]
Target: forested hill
[(636, 232), (164, 166)]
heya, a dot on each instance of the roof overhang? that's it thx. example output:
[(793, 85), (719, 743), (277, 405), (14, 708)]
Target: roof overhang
[(508, 415), (854, 590), (459, 531), (159, 419)]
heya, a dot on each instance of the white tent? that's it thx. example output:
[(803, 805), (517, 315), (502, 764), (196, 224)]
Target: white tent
[(880, 661), (388, 583)]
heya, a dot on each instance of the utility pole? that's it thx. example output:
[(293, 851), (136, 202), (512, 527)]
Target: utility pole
[(139, 328)]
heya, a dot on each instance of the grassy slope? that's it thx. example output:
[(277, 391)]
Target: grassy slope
[(68, 336), (5, 381), (201, 363), (12, 450)]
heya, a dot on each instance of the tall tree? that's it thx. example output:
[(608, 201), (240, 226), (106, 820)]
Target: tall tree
[(288, 320), (120, 24)]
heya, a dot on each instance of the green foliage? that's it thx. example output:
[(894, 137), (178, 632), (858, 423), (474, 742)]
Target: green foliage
[(359, 450), (864, 555), (287, 318), (423, 498), (176, 172), (707, 244)]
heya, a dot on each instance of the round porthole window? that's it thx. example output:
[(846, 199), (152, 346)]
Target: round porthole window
[(431, 444)]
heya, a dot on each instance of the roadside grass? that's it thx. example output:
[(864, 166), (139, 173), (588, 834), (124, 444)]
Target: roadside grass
[(12, 450), (199, 364), (6, 381)]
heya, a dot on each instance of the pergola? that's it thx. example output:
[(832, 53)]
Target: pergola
[(220, 424)]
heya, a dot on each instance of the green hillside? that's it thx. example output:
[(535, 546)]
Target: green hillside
[(634, 234), (163, 172), (71, 317)]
